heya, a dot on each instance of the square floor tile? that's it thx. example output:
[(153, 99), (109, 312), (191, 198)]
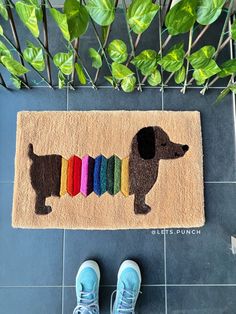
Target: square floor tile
[(30, 300), (110, 249), (201, 300), (217, 130), (11, 103), (206, 257), (110, 99), (28, 257), (151, 301)]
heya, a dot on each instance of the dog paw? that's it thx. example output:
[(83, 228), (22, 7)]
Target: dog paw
[(142, 209), (43, 210)]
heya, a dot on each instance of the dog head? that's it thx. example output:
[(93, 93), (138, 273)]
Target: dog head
[(154, 142)]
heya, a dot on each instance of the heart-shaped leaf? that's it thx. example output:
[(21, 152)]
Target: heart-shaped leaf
[(64, 61), (4, 51), (233, 30), (155, 78), (174, 59), (27, 14), (61, 21), (146, 61), (202, 57), (111, 80), (181, 17), (102, 12), (80, 74), (77, 18), (200, 75), (128, 84), (140, 14), (227, 68), (34, 56), (208, 11), (96, 58), (16, 81), (180, 75), (13, 66), (117, 51), (3, 10), (38, 8), (120, 71)]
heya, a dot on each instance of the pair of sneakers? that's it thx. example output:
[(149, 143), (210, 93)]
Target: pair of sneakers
[(127, 291)]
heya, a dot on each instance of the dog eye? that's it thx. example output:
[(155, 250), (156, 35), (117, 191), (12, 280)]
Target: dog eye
[(163, 144)]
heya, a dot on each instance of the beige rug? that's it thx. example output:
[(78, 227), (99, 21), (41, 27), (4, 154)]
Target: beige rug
[(108, 170)]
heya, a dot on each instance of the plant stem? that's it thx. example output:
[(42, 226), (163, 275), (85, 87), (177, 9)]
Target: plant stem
[(21, 55), (183, 90), (15, 36), (131, 44), (2, 82), (220, 42), (45, 32), (105, 44)]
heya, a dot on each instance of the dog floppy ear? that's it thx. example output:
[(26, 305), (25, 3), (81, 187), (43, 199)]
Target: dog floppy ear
[(146, 142)]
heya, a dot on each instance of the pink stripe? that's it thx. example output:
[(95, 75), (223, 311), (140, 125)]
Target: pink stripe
[(84, 175)]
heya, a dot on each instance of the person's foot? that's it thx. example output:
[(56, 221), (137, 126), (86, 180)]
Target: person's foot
[(128, 288), (87, 287)]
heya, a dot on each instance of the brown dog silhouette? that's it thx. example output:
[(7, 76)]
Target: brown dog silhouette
[(148, 147)]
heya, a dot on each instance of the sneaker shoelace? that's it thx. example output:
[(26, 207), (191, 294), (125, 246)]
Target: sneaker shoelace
[(126, 302), (87, 303)]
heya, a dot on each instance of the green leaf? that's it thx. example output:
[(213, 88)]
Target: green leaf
[(80, 74), (117, 51), (13, 66), (180, 75), (3, 10), (105, 31), (227, 68), (101, 11), (208, 11), (4, 51), (38, 9), (16, 81), (155, 78), (120, 71), (61, 80), (61, 21), (34, 56), (181, 17), (146, 61), (222, 94), (77, 18), (200, 75), (140, 14), (110, 80), (27, 14), (174, 59), (233, 30), (96, 58), (128, 84), (64, 61), (202, 57), (1, 31)]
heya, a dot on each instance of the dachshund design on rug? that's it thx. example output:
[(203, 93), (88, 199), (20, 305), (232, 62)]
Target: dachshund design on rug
[(52, 175)]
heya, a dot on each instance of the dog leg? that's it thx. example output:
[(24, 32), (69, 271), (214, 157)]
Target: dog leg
[(140, 207), (40, 207)]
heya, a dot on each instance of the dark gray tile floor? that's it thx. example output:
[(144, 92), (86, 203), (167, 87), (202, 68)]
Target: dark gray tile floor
[(184, 271)]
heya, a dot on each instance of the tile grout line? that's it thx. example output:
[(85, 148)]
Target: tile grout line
[(165, 274)]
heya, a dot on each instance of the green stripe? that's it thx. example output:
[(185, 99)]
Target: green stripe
[(110, 175), (117, 175)]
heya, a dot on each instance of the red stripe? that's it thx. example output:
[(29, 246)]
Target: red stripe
[(74, 175)]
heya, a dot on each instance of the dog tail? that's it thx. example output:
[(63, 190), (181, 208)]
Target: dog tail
[(31, 153)]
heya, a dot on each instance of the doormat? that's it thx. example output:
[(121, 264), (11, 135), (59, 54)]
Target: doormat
[(108, 170)]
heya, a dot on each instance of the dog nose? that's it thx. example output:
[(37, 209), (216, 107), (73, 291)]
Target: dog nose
[(185, 148)]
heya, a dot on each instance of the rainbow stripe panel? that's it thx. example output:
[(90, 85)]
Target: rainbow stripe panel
[(99, 175)]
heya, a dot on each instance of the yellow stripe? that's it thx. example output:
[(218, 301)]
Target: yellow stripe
[(125, 176), (64, 167)]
